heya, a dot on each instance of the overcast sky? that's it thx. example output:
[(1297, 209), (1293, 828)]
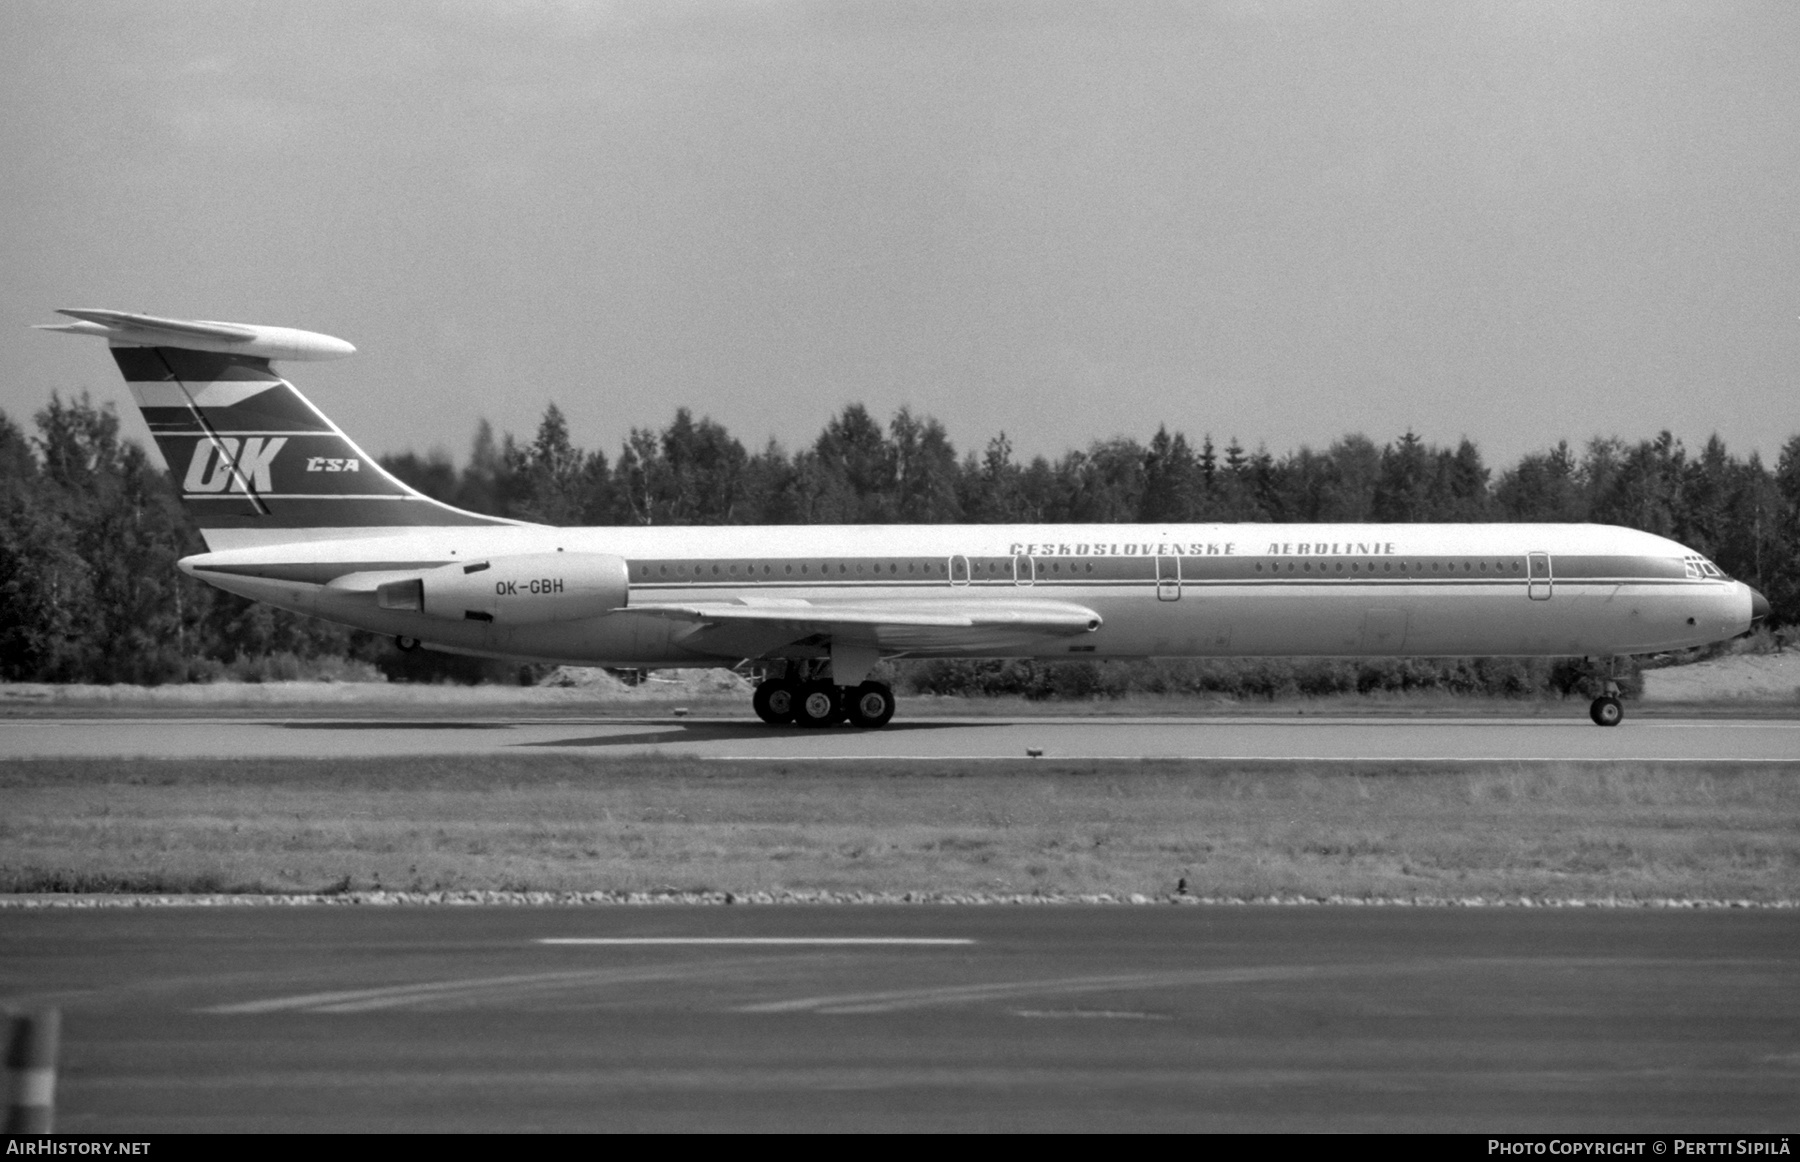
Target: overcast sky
[(1288, 220)]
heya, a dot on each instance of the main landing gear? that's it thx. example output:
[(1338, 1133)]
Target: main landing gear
[(817, 701), (1607, 710)]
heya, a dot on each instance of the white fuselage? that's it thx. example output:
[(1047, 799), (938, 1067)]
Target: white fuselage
[(1158, 590)]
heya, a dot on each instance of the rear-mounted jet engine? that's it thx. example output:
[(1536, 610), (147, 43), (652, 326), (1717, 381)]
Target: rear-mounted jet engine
[(530, 589)]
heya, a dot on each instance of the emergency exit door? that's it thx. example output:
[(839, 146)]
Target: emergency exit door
[(1168, 578), (1538, 581)]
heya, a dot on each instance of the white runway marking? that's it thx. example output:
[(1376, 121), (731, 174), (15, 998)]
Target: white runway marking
[(473, 991), (759, 941), (1091, 1014), (905, 999)]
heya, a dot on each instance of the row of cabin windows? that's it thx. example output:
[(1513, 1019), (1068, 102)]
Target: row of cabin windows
[(998, 568), (892, 568), (863, 569), (1392, 567)]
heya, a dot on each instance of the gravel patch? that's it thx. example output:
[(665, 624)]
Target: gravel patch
[(1737, 678)]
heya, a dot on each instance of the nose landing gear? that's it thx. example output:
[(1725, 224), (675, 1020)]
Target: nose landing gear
[(1607, 710)]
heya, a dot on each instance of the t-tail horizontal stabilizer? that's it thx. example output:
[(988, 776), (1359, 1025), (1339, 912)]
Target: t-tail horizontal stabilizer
[(126, 329), (256, 463)]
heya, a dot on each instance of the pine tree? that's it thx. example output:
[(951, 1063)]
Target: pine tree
[(558, 484), (1404, 491), (1170, 479), (1235, 459), (925, 470)]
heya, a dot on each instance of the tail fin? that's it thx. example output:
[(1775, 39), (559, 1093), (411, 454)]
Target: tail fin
[(255, 462)]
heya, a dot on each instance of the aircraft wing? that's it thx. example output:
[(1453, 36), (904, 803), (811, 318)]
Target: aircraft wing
[(751, 629)]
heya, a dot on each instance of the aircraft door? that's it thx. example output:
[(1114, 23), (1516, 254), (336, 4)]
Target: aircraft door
[(1024, 570), (1168, 578), (959, 570), (1538, 580)]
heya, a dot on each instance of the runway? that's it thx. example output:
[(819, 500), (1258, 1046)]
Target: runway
[(916, 1018), (1289, 737)]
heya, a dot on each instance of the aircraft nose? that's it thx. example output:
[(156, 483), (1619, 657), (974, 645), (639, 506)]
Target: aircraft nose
[(1759, 605)]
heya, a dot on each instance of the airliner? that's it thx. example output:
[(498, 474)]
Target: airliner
[(295, 514)]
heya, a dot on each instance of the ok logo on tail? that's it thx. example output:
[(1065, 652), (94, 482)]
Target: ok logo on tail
[(220, 463)]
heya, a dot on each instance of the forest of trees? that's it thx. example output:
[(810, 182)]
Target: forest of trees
[(90, 529)]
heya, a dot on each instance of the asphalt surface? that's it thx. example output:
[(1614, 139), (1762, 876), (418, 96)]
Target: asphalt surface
[(1286, 737), (1007, 1018)]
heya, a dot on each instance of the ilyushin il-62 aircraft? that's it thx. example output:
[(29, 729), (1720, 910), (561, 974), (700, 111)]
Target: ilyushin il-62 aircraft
[(296, 515)]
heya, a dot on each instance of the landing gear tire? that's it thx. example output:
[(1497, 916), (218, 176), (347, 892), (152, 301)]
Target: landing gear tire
[(869, 705), (774, 701), (407, 644), (818, 704), (1606, 711)]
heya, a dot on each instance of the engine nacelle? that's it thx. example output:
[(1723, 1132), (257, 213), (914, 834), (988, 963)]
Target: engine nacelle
[(529, 589)]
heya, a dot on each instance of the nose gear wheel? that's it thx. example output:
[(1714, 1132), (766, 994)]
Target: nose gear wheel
[(1606, 711)]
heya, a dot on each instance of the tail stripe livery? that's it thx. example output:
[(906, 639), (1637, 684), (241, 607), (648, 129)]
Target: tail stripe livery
[(255, 461)]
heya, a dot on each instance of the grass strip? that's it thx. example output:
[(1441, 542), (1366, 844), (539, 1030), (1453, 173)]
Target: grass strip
[(1390, 830)]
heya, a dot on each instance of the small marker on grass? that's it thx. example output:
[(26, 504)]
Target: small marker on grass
[(31, 1071)]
